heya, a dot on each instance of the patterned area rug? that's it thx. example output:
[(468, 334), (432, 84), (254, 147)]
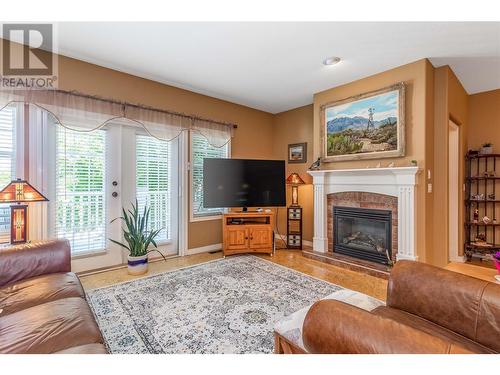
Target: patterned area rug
[(224, 306)]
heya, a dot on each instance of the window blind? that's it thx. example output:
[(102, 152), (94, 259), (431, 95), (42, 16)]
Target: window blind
[(7, 163), (153, 181), (80, 189), (201, 149)]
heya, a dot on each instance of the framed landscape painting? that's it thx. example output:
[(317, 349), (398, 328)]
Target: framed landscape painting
[(297, 153), (366, 126)]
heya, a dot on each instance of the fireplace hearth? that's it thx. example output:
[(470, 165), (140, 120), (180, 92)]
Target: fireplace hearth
[(363, 233)]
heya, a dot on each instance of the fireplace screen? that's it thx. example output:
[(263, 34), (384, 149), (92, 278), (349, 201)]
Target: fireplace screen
[(363, 233)]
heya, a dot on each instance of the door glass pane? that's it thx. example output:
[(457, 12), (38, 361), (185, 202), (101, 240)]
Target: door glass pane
[(153, 183), (80, 190)]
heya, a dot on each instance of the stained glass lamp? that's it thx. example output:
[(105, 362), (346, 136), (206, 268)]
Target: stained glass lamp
[(295, 180), (18, 192)]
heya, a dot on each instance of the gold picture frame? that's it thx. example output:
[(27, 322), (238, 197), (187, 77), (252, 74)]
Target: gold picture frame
[(348, 137)]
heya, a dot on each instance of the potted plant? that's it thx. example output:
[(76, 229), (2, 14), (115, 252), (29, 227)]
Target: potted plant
[(138, 239), (487, 148)]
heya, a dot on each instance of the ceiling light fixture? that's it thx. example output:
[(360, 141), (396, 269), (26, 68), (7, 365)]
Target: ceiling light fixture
[(331, 61)]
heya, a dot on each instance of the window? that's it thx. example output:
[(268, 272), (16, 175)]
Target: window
[(201, 149), (153, 179), (80, 190), (7, 163)]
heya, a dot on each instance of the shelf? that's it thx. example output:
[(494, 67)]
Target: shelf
[(494, 247), (468, 201), (483, 156), (483, 224), (483, 178)]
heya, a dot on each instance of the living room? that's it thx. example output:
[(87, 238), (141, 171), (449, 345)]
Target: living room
[(246, 185)]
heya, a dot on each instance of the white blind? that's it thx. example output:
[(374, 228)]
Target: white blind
[(153, 181), (7, 163), (201, 149), (80, 190)]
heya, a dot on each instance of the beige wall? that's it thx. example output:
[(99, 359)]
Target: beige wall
[(417, 79), (450, 104), (484, 120), (429, 161), (296, 126), (253, 138)]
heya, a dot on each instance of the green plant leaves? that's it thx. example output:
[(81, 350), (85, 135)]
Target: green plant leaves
[(135, 232)]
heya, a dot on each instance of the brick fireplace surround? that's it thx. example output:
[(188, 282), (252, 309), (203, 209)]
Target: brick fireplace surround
[(377, 188)]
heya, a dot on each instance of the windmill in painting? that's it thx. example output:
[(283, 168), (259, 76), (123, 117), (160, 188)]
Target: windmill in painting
[(369, 126)]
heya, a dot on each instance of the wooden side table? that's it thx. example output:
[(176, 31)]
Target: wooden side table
[(294, 227)]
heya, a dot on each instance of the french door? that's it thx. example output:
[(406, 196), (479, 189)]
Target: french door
[(92, 176)]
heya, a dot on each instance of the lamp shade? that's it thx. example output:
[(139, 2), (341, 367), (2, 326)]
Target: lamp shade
[(294, 179), (18, 191)]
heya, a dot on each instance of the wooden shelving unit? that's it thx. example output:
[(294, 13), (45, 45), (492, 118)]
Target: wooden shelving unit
[(482, 193), (294, 227)]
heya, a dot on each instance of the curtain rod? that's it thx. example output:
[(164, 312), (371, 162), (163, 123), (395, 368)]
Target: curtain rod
[(140, 106)]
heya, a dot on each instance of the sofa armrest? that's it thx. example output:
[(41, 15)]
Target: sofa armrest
[(335, 327), (448, 299), (34, 259)]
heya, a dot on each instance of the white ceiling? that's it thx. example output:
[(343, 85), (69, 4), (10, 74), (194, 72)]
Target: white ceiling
[(278, 66)]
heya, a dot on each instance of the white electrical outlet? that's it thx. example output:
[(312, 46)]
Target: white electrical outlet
[(429, 188)]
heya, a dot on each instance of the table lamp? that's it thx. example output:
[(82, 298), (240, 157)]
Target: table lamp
[(295, 180), (19, 191)]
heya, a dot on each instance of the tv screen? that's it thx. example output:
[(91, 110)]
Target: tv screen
[(243, 183)]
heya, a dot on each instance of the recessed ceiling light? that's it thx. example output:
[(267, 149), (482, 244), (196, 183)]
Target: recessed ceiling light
[(331, 60)]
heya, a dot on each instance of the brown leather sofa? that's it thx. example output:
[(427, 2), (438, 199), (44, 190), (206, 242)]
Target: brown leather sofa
[(429, 310), (42, 303)]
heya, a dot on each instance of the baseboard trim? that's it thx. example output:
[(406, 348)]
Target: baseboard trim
[(204, 249), (457, 259)]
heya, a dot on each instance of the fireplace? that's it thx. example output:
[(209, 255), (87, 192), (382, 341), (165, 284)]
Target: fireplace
[(363, 233)]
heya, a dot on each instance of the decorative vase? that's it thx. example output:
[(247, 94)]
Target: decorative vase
[(137, 265), (486, 150)]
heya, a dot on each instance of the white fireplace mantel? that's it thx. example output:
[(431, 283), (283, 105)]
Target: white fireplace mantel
[(399, 182)]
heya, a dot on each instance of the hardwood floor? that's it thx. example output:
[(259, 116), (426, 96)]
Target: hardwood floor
[(480, 272), (289, 258), (109, 277), (360, 282)]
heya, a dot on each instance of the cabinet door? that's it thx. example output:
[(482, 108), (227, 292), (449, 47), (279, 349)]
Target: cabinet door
[(260, 237), (236, 238)]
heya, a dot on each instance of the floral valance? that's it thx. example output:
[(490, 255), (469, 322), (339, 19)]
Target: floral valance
[(86, 113)]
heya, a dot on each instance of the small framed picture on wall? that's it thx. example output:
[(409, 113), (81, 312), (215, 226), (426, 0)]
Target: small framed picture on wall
[(297, 153)]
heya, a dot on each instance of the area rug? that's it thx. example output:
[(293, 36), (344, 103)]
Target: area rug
[(224, 306)]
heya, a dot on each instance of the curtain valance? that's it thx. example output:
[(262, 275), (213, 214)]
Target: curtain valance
[(87, 113)]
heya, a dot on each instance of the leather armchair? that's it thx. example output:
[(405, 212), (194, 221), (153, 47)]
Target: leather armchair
[(429, 310), (42, 304)]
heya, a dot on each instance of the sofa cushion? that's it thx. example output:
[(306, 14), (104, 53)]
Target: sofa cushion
[(48, 328), (431, 328), (85, 349), (37, 290)]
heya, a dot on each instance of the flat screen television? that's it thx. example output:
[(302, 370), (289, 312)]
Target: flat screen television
[(243, 183)]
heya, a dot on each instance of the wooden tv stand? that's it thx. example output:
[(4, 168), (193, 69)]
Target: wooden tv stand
[(248, 232)]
